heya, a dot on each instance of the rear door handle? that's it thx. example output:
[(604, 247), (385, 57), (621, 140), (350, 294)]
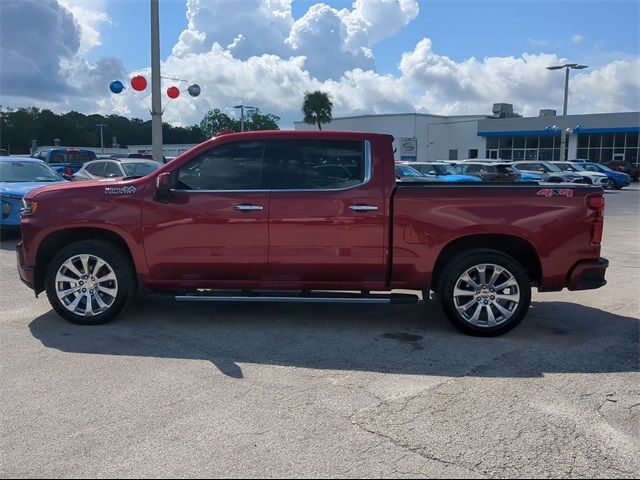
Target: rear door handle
[(363, 208), (245, 207)]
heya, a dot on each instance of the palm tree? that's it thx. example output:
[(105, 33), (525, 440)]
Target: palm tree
[(317, 108)]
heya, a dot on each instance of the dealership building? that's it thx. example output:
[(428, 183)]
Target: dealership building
[(600, 137)]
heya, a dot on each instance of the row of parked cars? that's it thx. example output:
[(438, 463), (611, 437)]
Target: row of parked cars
[(20, 175), (576, 171)]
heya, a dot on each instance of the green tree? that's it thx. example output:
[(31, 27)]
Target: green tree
[(258, 121), (215, 120), (317, 108)]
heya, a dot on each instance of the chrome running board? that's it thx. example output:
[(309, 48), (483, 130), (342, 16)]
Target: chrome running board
[(293, 297)]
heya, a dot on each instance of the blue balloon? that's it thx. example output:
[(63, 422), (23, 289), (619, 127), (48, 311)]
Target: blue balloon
[(116, 86)]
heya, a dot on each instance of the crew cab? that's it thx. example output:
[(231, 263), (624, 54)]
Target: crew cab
[(258, 217)]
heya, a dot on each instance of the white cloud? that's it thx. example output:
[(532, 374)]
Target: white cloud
[(577, 39), (263, 57), (90, 15)]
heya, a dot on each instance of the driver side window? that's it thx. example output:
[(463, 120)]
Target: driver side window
[(233, 166)]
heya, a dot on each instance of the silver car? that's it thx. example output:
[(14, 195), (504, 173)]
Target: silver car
[(549, 172), (593, 178), (116, 167)]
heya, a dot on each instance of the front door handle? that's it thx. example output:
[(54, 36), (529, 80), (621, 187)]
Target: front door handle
[(363, 208), (246, 207)]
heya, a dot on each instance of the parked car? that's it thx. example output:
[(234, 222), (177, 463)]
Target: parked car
[(593, 178), (116, 167), (625, 167), (404, 172), (146, 156), (441, 172), (65, 160), (490, 171), (248, 215), (549, 172), (18, 176), (619, 179)]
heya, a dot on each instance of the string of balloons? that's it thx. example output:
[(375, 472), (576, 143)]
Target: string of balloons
[(139, 84)]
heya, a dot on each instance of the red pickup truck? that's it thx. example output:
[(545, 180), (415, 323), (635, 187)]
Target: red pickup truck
[(309, 217)]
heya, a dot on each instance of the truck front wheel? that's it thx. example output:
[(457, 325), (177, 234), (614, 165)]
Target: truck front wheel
[(485, 292), (89, 282)]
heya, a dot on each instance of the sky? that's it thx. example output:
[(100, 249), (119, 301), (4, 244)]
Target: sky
[(371, 56)]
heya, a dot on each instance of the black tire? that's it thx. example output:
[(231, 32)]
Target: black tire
[(116, 260), (463, 263)]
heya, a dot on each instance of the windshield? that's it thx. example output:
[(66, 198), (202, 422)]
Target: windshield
[(407, 171), (568, 167), (440, 169), (16, 171), (604, 167), (551, 167), (139, 169)]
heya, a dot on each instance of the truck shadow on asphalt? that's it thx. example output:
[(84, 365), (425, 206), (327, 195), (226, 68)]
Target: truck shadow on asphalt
[(556, 337)]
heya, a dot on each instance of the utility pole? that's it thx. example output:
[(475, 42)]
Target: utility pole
[(242, 107), (156, 101), (101, 125)]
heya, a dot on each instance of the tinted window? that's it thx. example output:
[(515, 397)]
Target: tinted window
[(71, 157), (234, 166), (113, 170), (471, 168), (313, 164), (96, 169), (504, 169)]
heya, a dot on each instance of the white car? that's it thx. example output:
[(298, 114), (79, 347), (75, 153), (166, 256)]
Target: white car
[(594, 178)]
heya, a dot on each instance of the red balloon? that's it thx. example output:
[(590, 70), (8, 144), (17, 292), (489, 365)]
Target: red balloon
[(138, 83), (173, 92)]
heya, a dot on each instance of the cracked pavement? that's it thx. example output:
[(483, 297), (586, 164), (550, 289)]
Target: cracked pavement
[(342, 391)]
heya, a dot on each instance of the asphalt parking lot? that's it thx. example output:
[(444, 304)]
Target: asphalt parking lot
[(328, 391)]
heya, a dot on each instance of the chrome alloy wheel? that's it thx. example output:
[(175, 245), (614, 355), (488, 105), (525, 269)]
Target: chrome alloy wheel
[(486, 295), (86, 285)]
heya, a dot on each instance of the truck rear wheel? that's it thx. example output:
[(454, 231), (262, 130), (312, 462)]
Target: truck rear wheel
[(89, 282), (485, 292)]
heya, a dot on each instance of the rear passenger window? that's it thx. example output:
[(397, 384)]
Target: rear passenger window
[(113, 170), (96, 169), (313, 164), (233, 166)]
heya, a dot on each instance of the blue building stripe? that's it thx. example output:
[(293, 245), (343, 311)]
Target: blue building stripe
[(551, 133)]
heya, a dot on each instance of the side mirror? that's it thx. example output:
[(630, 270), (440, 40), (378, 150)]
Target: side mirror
[(163, 188), (432, 172)]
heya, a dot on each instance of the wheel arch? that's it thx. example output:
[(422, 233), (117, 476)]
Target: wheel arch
[(517, 247), (58, 239)]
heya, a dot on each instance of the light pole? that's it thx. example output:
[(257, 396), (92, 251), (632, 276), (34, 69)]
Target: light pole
[(156, 104), (242, 107), (567, 67), (102, 125)]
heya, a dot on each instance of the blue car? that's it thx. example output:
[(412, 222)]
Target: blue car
[(619, 179), (18, 176), (442, 172)]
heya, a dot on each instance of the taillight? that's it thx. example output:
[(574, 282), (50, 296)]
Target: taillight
[(597, 203)]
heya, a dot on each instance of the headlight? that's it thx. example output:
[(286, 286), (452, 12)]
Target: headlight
[(6, 209), (29, 207)]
